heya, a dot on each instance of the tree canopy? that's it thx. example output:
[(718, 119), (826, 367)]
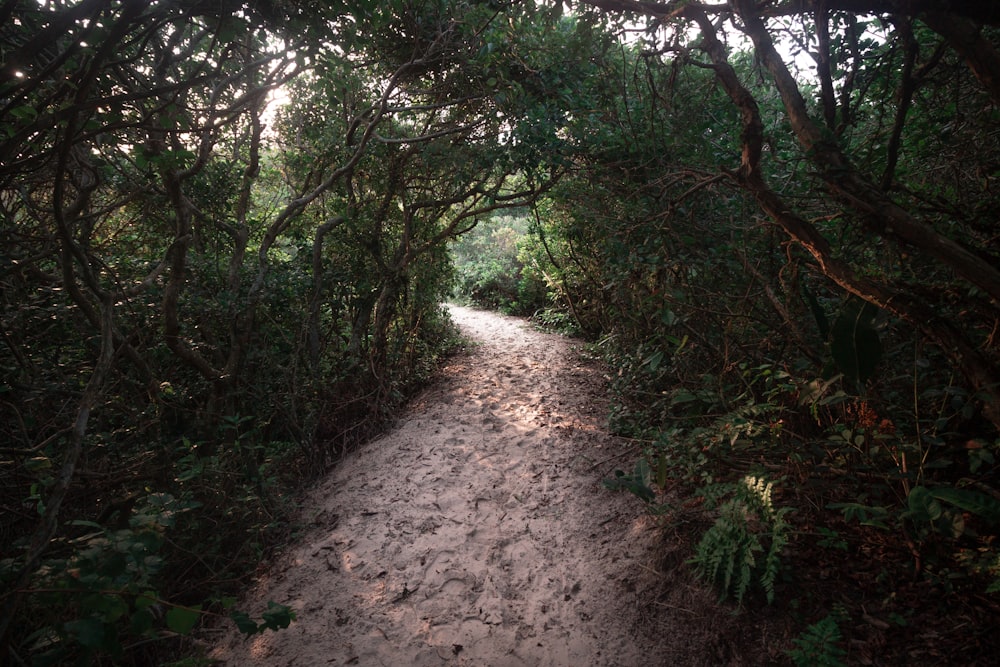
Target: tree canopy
[(228, 228)]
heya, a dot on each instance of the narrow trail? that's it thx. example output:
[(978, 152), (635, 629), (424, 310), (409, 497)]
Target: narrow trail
[(476, 532)]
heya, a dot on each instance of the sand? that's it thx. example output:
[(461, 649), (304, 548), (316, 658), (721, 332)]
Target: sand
[(477, 531)]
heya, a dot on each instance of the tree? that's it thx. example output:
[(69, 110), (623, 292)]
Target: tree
[(108, 117), (183, 281), (888, 208), (793, 276)]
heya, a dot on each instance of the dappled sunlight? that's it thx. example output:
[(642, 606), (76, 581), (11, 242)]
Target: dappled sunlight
[(228, 229), (471, 532)]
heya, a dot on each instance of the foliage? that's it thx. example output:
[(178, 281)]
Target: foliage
[(819, 644), (771, 312), (638, 483), (743, 546), (203, 296), (493, 271), (275, 617), (207, 299)]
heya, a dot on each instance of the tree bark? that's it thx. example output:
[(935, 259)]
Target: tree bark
[(317, 287)]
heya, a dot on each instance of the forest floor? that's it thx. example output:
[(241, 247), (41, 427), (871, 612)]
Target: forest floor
[(477, 532)]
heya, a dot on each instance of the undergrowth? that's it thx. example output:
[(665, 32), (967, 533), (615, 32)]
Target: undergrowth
[(174, 516), (797, 477), (743, 547)]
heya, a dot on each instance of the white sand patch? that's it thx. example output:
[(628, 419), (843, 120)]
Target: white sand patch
[(477, 531)]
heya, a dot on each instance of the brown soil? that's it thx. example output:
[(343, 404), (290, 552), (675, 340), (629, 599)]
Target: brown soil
[(477, 532)]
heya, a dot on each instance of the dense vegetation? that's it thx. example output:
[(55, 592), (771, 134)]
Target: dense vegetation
[(776, 222)]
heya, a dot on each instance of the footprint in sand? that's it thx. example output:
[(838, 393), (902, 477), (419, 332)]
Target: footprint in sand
[(470, 535)]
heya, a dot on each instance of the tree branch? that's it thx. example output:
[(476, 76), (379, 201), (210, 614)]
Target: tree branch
[(980, 372), (967, 39), (846, 182)]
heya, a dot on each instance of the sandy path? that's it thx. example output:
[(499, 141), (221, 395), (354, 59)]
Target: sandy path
[(476, 532)]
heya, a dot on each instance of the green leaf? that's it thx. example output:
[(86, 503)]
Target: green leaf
[(854, 342), (109, 607), (637, 483), (662, 471), (193, 472), (89, 632), (668, 317), (26, 112), (682, 396), (969, 500), (919, 503), (146, 600), (244, 623), (653, 361), (277, 616), (979, 457), (183, 619), (141, 622)]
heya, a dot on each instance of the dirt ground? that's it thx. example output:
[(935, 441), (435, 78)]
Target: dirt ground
[(477, 532)]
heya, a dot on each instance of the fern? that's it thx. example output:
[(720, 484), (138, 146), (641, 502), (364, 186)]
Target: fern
[(772, 563), (747, 526), (818, 645)]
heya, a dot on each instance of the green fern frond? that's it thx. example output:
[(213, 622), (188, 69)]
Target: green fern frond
[(818, 645), (727, 555)]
